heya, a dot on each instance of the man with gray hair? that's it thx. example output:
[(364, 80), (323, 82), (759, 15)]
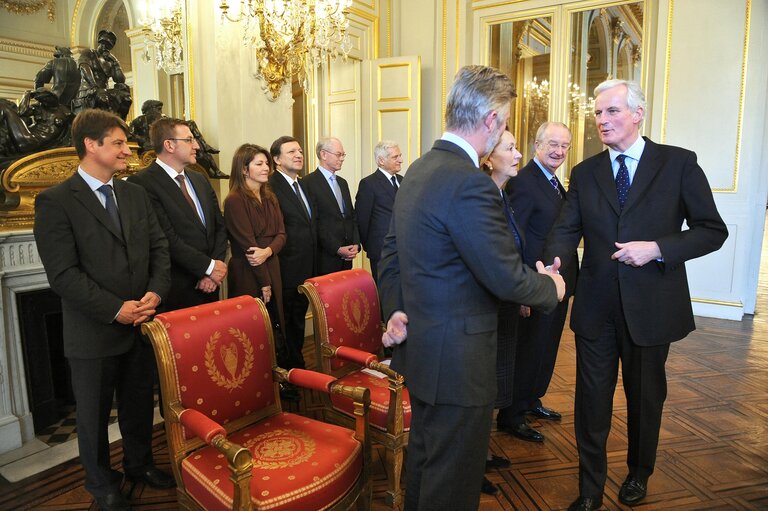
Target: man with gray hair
[(375, 198), (337, 236), (629, 203), (537, 197), (448, 258)]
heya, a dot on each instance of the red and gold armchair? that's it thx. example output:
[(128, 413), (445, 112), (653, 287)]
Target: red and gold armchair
[(230, 443), (347, 331)]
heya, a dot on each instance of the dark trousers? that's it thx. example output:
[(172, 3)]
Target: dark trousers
[(538, 341), (295, 310), (645, 387), (375, 270), (447, 449), (95, 383)]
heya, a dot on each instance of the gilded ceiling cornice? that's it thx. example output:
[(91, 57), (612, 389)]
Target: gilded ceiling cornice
[(26, 48), (16, 7)]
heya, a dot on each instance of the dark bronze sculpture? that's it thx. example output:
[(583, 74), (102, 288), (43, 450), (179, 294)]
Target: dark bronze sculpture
[(64, 72), (204, 154), (97, 66), (39, 123), (151, 111)]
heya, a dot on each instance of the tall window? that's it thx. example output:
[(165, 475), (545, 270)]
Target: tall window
[(557, 56)]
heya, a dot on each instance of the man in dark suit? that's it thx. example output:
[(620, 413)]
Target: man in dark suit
[(337, 237), (374, 200), (189, 213), (537, 196), (298, 256), (106, 257), (448, 258), (632, 300)]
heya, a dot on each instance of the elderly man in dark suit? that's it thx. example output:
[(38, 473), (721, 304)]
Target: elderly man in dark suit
[(337, 236), (375, 198), (189, 213), (632, 300), (106, 257), (447, 260), (298, 256), (537, 196)]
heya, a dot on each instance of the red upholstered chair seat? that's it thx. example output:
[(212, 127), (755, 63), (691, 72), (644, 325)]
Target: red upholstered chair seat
[(379, 388), (298, 464)]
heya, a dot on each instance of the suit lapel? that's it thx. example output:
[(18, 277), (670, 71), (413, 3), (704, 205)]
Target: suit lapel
[(281, 185), (646, 171), (604, 177), (126, 207), (165, 182), (195, 179), (82, 192), (544, 185), (385, 184)]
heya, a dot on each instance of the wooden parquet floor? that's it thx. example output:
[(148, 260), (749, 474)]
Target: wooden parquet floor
[(713, 452)]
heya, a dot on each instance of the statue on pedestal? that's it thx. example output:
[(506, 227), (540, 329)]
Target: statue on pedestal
[(39, 122), (97, 66), (64, 72)]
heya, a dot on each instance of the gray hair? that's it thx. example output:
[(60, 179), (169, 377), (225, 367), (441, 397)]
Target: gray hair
[(381, 150), (476, 91), (543, 128), (324, 144), (635, 95)]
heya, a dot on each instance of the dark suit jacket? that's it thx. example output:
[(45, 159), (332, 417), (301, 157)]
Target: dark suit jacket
[(94, 269), (192, 244), (298, 259), (447, 260), (334, 230), (537, 206), (373, 206), (669, 187)]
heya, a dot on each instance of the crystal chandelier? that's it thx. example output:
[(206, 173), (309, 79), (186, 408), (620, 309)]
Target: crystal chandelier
[(162, 24), (291, 37)]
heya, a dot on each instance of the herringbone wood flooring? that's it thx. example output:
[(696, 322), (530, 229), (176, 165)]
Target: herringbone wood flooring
[(713, 452)]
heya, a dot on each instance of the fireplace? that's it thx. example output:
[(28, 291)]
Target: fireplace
[(21, 274)]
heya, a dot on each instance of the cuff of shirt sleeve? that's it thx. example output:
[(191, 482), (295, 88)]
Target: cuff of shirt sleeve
[(210, 268)]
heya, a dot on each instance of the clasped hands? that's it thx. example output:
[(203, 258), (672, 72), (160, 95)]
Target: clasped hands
[(135, 312), (210, 283)]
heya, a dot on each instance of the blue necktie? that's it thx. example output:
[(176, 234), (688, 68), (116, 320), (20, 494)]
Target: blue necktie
[(622, 181), (337, 193), (110, 206), (556, 185)]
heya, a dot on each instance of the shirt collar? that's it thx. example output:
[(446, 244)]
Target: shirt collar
[(327, 173), (386, 174), (547, 173), (287, 177), (170, 170), (452, 137), (93, 183), (635, 151)]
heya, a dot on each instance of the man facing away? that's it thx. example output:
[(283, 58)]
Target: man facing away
[(188, 211), (105, 255), (375, 198), (537, 196), (298, 257), (629, 203), (448, 258), (337, 237)]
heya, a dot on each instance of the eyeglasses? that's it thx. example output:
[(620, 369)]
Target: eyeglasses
[(554, 145), (188, 140), (337, 155)]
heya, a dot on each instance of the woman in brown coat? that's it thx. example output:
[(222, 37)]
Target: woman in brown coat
[(255, 229)]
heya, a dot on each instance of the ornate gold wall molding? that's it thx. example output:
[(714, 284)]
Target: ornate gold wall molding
[(26, 48), (30, 7)]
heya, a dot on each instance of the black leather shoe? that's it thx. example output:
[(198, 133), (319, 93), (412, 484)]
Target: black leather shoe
[(488, 487), (586, 504), (632, 491), (113, 502), (542, 412), (496, 462), (524, 432), (154, 477)]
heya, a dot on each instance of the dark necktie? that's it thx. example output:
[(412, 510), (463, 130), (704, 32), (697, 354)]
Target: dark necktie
[(394, 183), (110, 206), (556, 185), (185, 192), (301, 201), (622, 181)]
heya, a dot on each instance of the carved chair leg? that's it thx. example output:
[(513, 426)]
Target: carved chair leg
[(394, 496)]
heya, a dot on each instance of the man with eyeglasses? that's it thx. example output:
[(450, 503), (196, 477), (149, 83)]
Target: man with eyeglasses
[(337, 236), (189, 214), (537, 197), (629, 204)]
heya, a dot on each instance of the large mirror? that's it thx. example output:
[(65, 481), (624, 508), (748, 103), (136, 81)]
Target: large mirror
[(522, 49)]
